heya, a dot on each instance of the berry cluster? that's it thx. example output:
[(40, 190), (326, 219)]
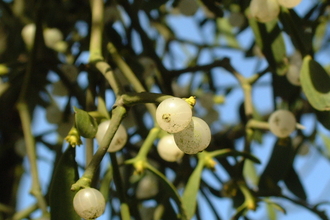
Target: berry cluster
[(188, 133)]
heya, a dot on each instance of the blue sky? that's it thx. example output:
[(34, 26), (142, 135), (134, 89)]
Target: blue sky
[(311, 166)]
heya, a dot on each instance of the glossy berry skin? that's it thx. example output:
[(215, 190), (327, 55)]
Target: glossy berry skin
[(282, 123), (89, 203), (118, 141), (168, 150), (195, 138), (173, 114)]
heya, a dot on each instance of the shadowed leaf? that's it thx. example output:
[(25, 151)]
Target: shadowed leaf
[(61, 196), (278, 165), (292, 181)]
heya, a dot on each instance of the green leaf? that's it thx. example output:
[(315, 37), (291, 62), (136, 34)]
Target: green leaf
[(278, 165), (293, 183), (323, 117), (293, 25), (101, 107), (85, 124), (60, 195), (326, 141), (226, 31), (189, 197), (274, 205), (315, 83), (250, 173), (170, 189), (105, 182), (319, 36), (270, 40)]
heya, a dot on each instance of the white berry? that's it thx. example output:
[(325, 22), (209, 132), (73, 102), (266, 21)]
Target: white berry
[(195, 138), (52, 36), (28, 33), (264, 10), (89, 203), (168, 150), (282, 123), (119, 139), (173, 114)]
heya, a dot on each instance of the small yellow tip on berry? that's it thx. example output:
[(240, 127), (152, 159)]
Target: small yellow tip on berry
[(73, 138), (191, 101)]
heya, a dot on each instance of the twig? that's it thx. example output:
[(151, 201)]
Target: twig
[(127, 71), (23, 110)]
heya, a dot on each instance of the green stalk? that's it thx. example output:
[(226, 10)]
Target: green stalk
[(91, 169), (24, 114), (127, 71)]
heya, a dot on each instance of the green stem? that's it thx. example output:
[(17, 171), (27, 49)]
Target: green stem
[(25, 213), (148, 143), (130, 99), (91, 169), (255, 124), (250, 200), (31, 153), (95, 46), (23, 110), (125, 213), (128, 73)]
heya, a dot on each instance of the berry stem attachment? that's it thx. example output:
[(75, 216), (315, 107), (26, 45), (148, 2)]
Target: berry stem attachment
[(139, 162), (118, 114), (191, 101)]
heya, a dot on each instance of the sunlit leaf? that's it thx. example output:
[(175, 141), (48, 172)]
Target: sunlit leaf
[(226, 31), (274, 205), (319, 35), (315, 83), (250, 172), (189, 197), (61, 196), (85, 124), (269, 38)]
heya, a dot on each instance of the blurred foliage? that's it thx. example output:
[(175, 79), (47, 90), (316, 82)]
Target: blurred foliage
[(53, 75)]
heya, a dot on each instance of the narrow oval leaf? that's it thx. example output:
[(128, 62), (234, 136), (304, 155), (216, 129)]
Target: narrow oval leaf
[(294, 184), (315, 83), (189, 197), (85, 124), (270, 40), (324, 118), (278, 165), (60, 195), (170, 188)]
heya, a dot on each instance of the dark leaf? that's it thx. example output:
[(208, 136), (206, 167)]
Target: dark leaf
[(270, 40), (292, 181), (60, 195), (278, 166)]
